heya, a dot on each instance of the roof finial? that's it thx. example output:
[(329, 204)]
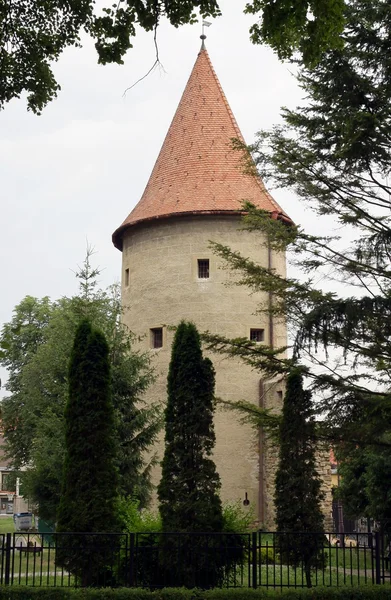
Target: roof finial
[(203, 36)]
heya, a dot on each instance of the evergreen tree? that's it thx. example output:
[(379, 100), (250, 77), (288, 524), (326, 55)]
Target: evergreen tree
[(189, 488), (90, 478), (298, 487), (364, 487), (334, 153), (188, 491)]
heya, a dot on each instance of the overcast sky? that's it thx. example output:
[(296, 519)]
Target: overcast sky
[(75, 172)]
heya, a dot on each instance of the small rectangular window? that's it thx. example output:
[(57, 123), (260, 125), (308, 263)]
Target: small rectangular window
[(157, 337), (203, 268), (257, 335), (126, 277)]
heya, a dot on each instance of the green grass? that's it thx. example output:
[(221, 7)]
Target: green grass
[(280, 576), (6, 525), (355, 558), (335, 556), (343, 568)]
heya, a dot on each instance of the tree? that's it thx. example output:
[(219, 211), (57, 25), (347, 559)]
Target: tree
[(189, 488), (188, 491), (334, 153), (33, 35), (35, 348), (90, 478), (364, 476), (298, 486)]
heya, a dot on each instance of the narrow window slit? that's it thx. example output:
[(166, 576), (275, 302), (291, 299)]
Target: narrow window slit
[(203, 268), (257, 335), (157, 337)]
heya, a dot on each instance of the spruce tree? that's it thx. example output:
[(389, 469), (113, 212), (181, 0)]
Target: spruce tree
[(298, 487), (189, 488), (334, 153), (90, 477)]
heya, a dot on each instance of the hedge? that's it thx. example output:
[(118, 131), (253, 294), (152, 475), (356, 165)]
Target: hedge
[(36, 593)]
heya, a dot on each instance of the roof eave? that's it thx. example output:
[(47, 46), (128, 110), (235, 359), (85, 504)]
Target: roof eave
[(118, 234)]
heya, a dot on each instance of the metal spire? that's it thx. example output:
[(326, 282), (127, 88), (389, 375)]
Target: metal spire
[(203, 36)]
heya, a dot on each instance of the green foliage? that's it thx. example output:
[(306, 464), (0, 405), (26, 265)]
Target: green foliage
[(333, 152), (287, 25), (36, 347), (236, 519), (89, 491), (147, 526), (364, 483), (298, 487), (90, 480), (189, 489), (268, 556), (34, 35), (134, 520), (36, 593)]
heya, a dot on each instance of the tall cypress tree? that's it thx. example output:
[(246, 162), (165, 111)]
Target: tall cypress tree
[(90, 478), (298, 486), (189, 488)]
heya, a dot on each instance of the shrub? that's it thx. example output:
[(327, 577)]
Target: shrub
[(236, 519), (147, 527), (35, 593), (268, 556), (231, 548), (134, 520)]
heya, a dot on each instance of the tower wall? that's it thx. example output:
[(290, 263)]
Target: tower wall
[(162, 287)]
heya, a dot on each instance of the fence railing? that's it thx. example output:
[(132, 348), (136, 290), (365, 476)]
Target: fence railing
[(205, 560)]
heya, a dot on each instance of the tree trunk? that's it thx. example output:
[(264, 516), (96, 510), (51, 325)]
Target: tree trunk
[(307, 568)]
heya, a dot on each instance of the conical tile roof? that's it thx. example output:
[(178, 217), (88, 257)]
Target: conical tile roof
[(197, 171)]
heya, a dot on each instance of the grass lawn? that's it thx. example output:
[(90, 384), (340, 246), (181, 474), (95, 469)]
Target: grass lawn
[(348, 558), (6, 525), (282, 576)]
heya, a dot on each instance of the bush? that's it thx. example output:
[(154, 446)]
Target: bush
[(268, 556), (231, 549), (34, 593), (134, 520), (236, 519), (147, 527)]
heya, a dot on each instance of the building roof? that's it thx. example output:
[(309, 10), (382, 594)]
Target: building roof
[(197, 170)]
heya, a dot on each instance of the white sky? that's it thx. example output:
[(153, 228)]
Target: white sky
[(75, 172)]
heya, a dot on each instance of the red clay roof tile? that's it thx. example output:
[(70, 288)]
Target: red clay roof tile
[(197, 171)]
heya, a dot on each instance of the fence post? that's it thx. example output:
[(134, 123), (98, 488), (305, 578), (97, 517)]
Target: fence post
[(131, 560), (7, 559), (377, 557), (254, 548)]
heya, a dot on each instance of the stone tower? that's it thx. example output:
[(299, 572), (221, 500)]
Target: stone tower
[(169, 272)]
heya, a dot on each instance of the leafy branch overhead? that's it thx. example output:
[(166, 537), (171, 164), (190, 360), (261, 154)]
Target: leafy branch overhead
[(33, 34)]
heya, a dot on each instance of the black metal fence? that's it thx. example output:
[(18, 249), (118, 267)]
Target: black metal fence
[(154, 560)]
